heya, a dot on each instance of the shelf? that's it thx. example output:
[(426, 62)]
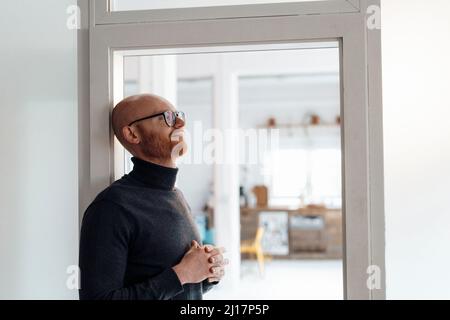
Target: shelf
[(302, 126)]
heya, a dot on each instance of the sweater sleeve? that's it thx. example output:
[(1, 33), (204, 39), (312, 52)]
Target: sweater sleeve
[(206, 286), (104, 243)]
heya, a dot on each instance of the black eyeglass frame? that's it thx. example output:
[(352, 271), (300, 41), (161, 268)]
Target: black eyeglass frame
[(178, 114)]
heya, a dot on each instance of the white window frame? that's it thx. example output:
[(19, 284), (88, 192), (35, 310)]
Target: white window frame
[(361, 107), (104, 14)]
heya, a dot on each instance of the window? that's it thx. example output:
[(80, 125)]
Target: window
[(305, 176), (289, 177), (127, 5)]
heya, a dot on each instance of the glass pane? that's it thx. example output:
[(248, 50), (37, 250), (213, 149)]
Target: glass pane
[(127, 5), (289, 174), (326, 177)]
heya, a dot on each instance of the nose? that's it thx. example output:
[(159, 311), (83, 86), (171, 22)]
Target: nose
[(179, 123)]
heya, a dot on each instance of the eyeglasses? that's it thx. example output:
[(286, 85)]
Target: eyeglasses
[(169, 116)]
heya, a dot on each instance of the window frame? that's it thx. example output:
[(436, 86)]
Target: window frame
[(361, 108), (104, 15)]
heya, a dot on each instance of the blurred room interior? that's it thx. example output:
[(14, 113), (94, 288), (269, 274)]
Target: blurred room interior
[(288, 201)]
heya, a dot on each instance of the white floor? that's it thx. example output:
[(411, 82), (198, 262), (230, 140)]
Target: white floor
[(286, 279)]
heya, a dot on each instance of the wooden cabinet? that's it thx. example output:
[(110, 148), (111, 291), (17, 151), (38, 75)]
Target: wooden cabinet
[(313, 232)]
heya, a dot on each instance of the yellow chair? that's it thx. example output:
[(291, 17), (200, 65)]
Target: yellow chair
[(255, 247)]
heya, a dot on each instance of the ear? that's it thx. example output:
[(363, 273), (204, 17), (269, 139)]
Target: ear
[(130, 136)]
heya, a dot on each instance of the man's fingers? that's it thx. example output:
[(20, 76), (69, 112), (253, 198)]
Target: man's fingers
[(214, 250), (218, 260), (217, 271), (217, 251), (195, 244)]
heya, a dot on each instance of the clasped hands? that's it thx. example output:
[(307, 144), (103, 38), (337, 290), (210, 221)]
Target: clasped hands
[(201, 263)]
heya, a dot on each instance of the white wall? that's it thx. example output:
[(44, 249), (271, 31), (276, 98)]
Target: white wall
[(416, 75), (38, 137)]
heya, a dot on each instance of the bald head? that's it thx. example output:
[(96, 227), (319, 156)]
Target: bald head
[(136, 107), (151, 139)]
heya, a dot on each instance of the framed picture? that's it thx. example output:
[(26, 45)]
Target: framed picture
[(275, 238)]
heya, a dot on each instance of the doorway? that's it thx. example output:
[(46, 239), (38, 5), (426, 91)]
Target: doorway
[(287, 120), (117, 35)]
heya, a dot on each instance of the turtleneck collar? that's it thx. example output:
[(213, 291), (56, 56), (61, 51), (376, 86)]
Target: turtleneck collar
[(154, 175)]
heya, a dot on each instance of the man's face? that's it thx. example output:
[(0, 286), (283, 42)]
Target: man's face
[(158, 140)]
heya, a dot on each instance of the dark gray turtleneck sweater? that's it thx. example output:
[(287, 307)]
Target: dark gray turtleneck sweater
[(132, 235)]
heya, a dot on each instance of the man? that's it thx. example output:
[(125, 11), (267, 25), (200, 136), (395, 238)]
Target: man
[(138, 238)]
